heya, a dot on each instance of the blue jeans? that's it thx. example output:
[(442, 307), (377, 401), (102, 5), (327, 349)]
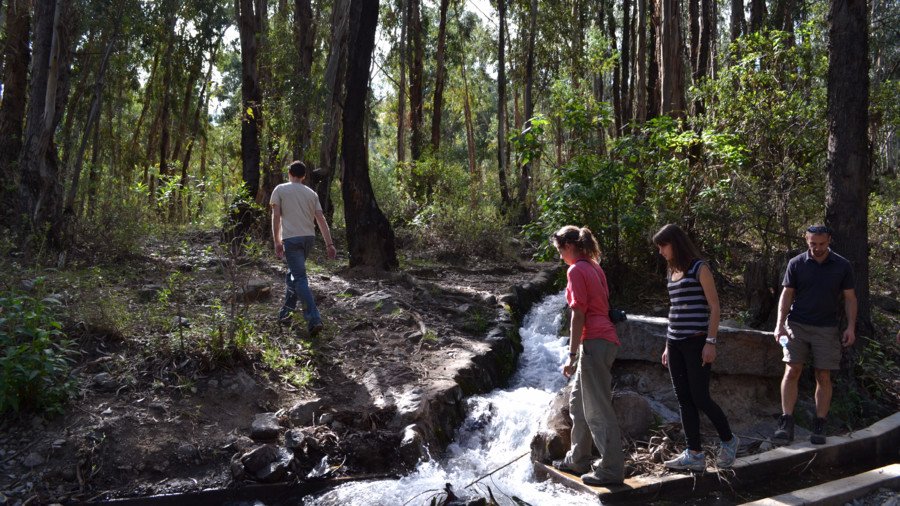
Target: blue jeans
[(296, 249)]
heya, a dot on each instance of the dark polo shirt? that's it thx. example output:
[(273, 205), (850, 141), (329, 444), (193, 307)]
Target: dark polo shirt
[(817, 288)]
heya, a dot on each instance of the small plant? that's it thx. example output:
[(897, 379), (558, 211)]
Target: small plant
[(36, 357)]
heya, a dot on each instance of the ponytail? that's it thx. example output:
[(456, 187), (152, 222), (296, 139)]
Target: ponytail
[(582, 238)]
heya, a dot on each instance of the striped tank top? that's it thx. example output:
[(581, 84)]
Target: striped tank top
[(688, 310)]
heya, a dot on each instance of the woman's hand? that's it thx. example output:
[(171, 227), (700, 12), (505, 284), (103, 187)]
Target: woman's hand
[(708, 355), (665, 356), (569, 369)]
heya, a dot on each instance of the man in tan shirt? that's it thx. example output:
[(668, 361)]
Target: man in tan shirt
[(295, 211)]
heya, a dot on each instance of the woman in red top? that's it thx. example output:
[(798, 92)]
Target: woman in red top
[(594, 334)]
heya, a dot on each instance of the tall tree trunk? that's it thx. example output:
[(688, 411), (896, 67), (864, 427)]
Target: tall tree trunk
[(401, 91), (849, 162), (370, 238), (439, 79), (671, 73), (525, 176), (470, 129), (305, 35), (738, 24), (502, 166), (704, 44), (93, 122), (164, 122), (694, 29), (640, 87), (597, 85), (251, 96), (40, 189), (654, 94), (334, 82), (616, 88), (758, 15), (16, 57), (416, 80)]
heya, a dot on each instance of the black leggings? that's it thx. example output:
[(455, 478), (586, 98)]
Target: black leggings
[(691, 381)]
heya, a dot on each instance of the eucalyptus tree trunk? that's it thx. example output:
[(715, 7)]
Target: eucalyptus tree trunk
[(640, 64), (165, 113), (849, 160), (40, 188), (92, 123), (251, 95), (616, 89), (16, 57), (370, 239), (738, 23), (416, 80), (305, 36), (334, 83), (502, 166), (525, 176), (401, 92), (758, 15), (669, 49), (441, 74), (597, 86)]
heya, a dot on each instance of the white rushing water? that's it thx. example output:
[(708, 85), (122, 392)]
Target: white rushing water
[(498, 430)]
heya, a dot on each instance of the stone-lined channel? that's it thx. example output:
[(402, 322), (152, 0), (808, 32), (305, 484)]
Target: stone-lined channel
[(497, 431)]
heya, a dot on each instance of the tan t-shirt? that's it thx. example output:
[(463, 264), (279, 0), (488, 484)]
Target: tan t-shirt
[(298, 204)]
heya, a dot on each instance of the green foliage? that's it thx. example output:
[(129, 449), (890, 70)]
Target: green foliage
[(36, 362)]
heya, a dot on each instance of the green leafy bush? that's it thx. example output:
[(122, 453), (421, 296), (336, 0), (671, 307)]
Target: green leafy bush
[(36, 357)]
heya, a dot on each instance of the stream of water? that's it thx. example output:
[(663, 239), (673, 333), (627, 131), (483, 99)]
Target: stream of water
[(498, 430)]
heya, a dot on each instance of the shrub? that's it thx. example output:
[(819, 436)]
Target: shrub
[(36, 360)]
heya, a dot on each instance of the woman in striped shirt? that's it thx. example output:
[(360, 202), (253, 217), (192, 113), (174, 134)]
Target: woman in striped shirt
[(691, 347)]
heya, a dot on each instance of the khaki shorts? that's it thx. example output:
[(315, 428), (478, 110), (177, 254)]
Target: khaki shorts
[(823, 342)]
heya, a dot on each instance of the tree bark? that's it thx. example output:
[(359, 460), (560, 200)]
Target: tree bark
[(370, 239), (251, 96), (758, 15), (616, 88), (40, 189), (16, 58), (525, 176), (305, 35), (849, 164), (738, 24), (501, 106), (640, 109), (93, 120), (164, 123), (669, 46), (439, 79), (416, 80), (401, 92), (334, 82)]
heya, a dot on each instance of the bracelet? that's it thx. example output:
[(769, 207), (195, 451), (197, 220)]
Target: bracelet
[(573, 354)]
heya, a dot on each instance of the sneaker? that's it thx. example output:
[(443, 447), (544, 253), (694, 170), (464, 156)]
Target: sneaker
[(565, 467), (315, 328), (598, 480), (785, 429), (818, 434), (687, 460), (728, 452)]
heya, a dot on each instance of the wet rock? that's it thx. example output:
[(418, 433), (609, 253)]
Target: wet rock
[(267, 464), (553, 439), (304, 412), (412, 446), (104, 382), (265, 427), (633, 413)]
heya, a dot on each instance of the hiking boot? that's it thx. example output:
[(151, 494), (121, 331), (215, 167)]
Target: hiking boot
[(728, 452), (285, 317), (566, 467), (818, 434), (687, 460), (595, 479), (785, 429), (315, 328)]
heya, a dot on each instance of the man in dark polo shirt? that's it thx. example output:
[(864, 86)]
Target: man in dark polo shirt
[(808, 314)]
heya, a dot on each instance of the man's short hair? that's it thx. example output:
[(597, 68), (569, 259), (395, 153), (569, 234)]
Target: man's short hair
[(297, 169), (819, 229)]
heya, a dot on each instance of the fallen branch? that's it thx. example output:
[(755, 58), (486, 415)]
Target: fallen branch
[(499, 468)]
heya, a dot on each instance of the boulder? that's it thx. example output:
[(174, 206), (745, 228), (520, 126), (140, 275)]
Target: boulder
[(740, 351), (412, 446), (633, 413), (379, 300), (265, 427), (266, 463), (304, 412)]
